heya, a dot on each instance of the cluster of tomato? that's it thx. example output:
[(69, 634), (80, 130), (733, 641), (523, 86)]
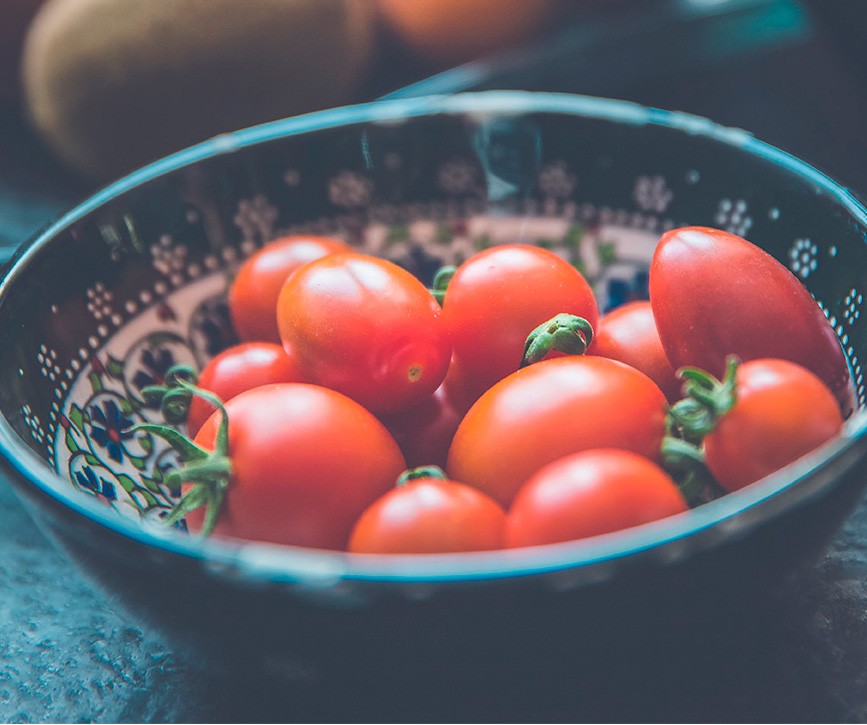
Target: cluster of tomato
[(367, 412)]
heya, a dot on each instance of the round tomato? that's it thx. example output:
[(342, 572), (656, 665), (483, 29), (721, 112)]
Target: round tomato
[(429, 514), (628, 333), (499, 296), (304, 463), (590, 493), (239, 368), (366, 328), (781, 412), (715, 294), (254, 291), (549, 410)]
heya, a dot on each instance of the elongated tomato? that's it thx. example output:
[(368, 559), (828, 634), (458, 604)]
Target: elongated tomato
[(365, 327), (715, 294)]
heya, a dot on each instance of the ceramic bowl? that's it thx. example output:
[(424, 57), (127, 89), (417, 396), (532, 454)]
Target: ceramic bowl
[(134, 280)]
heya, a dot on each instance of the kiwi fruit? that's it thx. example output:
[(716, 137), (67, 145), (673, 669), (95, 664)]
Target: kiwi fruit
[(114, 84)]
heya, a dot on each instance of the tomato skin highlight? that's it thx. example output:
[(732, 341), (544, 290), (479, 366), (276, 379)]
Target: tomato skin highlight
[(306, 461), (782, 412), (549, 410), (498, 296), (715, 294), (628, 333), (367, 328), (590, 493), (430, 516), (239, 368), (257, 284)]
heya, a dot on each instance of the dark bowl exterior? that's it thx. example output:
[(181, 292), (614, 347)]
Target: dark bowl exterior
[(473, 632), (599, 164)]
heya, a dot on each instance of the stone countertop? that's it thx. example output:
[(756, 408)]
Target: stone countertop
[(69, 654)]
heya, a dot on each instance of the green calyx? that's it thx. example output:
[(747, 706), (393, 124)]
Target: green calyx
[(441, 282), (564, 332), (413, 474), (173, 398), (706, 400), (208, 472)]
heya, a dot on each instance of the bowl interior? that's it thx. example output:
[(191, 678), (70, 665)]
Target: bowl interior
[(135, 280)]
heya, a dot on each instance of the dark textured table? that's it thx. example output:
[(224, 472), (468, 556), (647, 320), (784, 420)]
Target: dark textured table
[(796, 653)]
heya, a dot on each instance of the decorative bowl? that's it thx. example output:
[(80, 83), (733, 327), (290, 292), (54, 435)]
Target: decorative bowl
[(134, 280)]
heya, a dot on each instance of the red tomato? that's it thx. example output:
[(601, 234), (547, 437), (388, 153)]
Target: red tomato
[(549, 410), (366, 328), (715, 294), (425, 431), (628, 333), (429, 516), (496, 299), (306, 462), (590, 493), (782, 411), (254, 291), (239, 368)]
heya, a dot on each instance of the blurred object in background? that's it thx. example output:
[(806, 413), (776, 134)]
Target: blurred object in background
[(15, 17), (112, 84), (455, 31), (777, 68)]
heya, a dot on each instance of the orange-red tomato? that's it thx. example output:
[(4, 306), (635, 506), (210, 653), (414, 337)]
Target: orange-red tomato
[(254, 291), (590, 493), (498, 297), (366, 328), (429, 516), (715, 294), (628, 333), (782, 412), (239, 368), (454, 31), (306, 462), (549, 410)]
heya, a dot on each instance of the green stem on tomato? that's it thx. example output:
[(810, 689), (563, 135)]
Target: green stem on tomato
[(689, 421), (706, 401), (413, 474), (441, 281), (173, 398), (564, 332), (207, 472)]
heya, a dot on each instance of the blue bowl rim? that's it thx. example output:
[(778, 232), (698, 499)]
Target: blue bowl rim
[(276, 563)]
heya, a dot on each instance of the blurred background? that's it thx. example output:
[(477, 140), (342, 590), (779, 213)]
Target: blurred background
[(91, 89)]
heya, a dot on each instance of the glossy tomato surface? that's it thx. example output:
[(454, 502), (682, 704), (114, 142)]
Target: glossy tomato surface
[(715, 294), (430, 516), (306, 461), (782, 412), (590, 493), (367, 328), (549, 410), (254, 291), (499, 296), (628, 333), (239, 368)]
